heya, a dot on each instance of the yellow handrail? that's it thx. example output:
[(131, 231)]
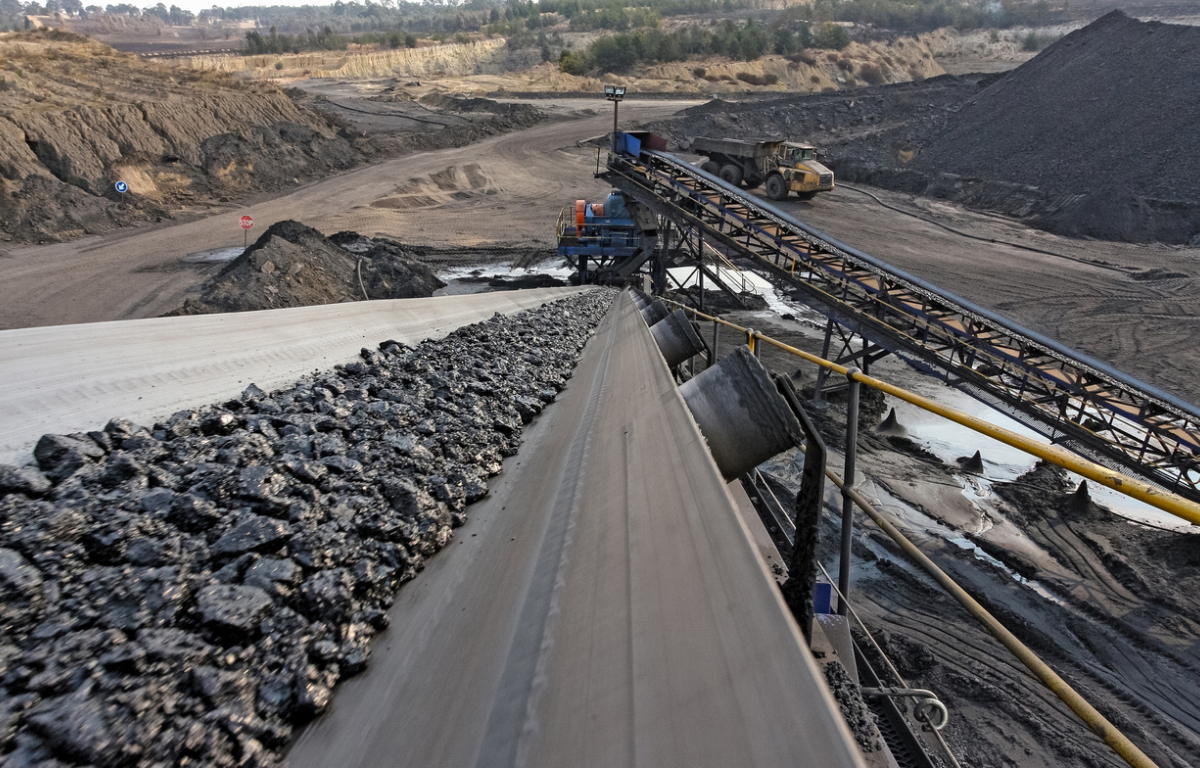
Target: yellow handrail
[(1139, 489)]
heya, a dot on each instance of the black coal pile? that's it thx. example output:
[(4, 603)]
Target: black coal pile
[(188, 594), (293, 265), (1103, 123), (1094, 137)]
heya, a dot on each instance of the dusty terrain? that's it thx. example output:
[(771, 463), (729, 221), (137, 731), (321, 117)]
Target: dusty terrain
[(500, 196), (76, 117), (489, 67)]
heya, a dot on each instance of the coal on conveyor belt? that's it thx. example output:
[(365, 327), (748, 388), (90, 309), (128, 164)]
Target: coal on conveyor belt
[(190, 593)]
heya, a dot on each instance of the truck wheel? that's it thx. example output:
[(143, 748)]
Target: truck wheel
[(731, 174), (806, 195), (712, 167), (776, 189)]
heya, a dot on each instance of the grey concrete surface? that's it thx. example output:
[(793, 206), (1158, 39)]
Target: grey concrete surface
[(604, 606), (70, 378)]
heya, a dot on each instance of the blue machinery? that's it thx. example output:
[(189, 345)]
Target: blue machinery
[(1075, 401)]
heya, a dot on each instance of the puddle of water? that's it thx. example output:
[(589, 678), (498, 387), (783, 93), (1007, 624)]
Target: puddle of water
[(214, 256), (967, 544), (918, 521), (474, 279)]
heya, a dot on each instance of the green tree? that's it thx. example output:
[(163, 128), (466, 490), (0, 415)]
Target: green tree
[(832, 36)]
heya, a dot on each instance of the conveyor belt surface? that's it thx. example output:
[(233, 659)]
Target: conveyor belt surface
[(605, 606)]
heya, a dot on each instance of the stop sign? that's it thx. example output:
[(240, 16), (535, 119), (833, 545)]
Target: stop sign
[(247, 222)]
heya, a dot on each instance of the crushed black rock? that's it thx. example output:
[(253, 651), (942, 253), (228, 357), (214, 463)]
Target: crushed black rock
[(857, 715), (190, 593)]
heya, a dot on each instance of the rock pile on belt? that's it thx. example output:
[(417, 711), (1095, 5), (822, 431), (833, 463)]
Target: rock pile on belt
[(188, 594)]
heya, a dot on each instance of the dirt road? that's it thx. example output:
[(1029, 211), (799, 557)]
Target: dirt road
[(507, 189)]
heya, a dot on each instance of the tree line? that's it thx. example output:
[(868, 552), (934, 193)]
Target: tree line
[(742, 42)]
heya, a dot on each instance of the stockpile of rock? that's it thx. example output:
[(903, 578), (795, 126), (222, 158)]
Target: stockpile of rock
[(294, 265), (1102, 123), (188, 594)]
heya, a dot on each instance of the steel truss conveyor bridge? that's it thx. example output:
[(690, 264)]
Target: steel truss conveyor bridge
[(1073, 400)]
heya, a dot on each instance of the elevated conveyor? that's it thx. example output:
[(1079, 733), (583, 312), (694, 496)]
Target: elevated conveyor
[(1081, 403), (605, 606)]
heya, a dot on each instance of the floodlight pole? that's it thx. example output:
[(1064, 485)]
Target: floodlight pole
[(616, 108), (614, 94)]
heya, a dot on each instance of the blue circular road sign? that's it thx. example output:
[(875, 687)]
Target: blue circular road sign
[(122, 187)]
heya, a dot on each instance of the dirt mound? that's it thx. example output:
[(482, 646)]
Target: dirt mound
[(76, 117), (293, 265), (1102, 123), (520, 114)]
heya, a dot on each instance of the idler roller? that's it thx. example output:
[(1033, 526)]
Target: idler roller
[(654, 312), (741, 414), (677, 339)]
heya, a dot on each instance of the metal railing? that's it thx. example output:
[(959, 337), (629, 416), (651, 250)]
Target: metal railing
[(1084, 404)]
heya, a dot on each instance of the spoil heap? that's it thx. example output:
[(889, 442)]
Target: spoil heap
[(293, 265), (188, 594), (1102, 122)]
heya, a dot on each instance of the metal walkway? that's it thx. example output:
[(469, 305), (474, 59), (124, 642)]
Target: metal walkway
[(604, 606), (1075, 401)]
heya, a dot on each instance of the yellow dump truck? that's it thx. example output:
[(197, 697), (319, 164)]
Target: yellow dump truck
[(785, 166)]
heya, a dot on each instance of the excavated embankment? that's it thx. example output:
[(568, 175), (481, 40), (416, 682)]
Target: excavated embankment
[(187, 594), (76, 117)]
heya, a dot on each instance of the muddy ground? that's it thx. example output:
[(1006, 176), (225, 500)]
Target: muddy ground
[(1109, 603)]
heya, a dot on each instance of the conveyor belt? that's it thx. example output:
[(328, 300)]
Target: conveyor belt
[(69, 378), (1077, 401), (604, 606)]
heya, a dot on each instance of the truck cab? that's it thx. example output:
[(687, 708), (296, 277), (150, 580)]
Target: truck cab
[(799, 172)]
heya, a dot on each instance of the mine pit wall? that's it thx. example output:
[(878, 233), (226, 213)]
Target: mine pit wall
[(453, 59), (69, 378)]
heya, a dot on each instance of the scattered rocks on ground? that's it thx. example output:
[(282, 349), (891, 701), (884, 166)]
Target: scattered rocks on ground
[(188, 594)]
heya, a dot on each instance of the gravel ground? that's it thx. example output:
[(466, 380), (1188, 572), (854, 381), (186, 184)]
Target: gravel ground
[(188, 594)]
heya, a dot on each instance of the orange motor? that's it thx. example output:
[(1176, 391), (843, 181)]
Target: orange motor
[(580, 205)]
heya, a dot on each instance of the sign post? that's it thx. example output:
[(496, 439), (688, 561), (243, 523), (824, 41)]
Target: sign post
[(246, 223), (122, 188)]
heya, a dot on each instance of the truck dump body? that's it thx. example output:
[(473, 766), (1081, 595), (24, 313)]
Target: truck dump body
[(734, 147)]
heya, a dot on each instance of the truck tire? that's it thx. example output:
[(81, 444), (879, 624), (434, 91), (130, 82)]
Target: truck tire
[(731, 174), (712, 166), (806, 195), (776, 188)]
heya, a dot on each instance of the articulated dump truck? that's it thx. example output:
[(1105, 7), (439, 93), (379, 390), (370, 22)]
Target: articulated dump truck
[(785, 166)]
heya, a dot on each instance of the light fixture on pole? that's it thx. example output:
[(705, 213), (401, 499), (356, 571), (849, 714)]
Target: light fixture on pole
[(614, 93)]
